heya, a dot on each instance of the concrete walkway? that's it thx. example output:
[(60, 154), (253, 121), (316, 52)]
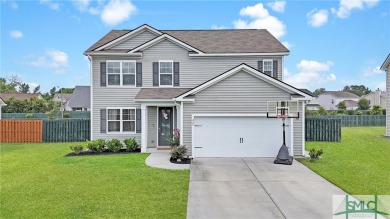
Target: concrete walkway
[(160, 159), (257, 188)]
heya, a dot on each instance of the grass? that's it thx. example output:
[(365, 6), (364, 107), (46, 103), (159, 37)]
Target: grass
[(359, 164), (37, 181)]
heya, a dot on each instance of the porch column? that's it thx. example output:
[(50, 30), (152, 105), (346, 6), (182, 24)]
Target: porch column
[(144, 129)]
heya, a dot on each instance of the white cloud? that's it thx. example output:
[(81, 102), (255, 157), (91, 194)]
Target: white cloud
[(317, 18), (261, 19), (277, 6), (347, 6), (287, 44), (310, 74), (16, 34), (372, 71), (52, 58), (52, 5), (82, 5), (117, 11), (94, 10), (216, 27)]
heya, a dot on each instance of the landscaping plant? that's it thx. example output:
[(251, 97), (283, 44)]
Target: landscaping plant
[(66, 115), (114, 145), (77, 149), (96, 145), (29, 116), (174, 139), (179, 152), (315, 154), (131, 144)]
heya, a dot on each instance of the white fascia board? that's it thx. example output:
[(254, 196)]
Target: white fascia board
[(153, 100), (238, 54), (138, 54), (161, 38), (128, 35), (184, 100), (302, 98), (250, 71)]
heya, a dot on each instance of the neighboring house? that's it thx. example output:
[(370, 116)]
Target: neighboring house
[(376, 98), (313, 103), (1, 105), (386, 67), (81, 99), (330, 99), (350, 104), (213, 85), (20, 96), (64, 98)]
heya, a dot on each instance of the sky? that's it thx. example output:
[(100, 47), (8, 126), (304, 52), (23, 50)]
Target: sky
[(332, 43)]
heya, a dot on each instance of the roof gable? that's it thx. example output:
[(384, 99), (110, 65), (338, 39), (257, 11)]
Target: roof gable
[(341, 94), (81, 97), (243, 67), (2, 102)]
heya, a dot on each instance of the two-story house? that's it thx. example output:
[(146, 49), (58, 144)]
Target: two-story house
[(377, 97), (386, 67), (215, 86), (331, 99)]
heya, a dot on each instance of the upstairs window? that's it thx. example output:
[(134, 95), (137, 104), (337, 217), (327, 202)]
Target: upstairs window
[(267, 66), (121, 73), (166, 73)]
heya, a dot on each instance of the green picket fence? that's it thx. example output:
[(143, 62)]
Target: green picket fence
[(73, 115), (355, 120), (66, 130), (323, 129)]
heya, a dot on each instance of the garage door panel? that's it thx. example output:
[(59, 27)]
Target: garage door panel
[(237, 137)]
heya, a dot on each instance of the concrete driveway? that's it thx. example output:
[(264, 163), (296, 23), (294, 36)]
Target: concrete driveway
[(257, 188)]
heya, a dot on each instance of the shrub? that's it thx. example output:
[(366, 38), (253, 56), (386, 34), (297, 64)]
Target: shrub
[(29, 116), (341, 106), (369, 112), (174, 139), (376, 110), (131, 144), (52, 114), (315, 154), (351, 112), (76, 149), (96, 145), (66, 115), (340, 111), (179, 152), (114, 145), (333, 113), (359, 113), (322, 111)]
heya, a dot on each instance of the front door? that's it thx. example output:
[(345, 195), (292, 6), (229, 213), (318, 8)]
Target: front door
[(165, 124)]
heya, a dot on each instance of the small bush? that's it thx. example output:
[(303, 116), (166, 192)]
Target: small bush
[(96, 145), (340, 111), (66, 115), (351, 112), (315, 154), (131, 144), (333, 113), (179, 152), (114, 145), (322, 111), (359, 113), (369, 112), (174, 138), (29, 116), (76, 149), (52, 114)]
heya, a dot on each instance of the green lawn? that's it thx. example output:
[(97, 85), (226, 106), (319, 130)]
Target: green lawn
[(359, 164), (37, 181)]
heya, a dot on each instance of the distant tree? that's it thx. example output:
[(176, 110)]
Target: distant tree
[(359, 90), (6, 87), (376, 110), (341, 106), (66, 90), (37, 89), (319, 91), (363, 104), (23, 88), (53, 92)]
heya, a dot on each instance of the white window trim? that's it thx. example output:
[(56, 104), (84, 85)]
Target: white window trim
[(272, 65), (121, 120), (159, 74), (121, 73)]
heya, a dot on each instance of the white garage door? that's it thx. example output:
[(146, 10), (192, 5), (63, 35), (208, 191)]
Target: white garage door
[(238, 136)]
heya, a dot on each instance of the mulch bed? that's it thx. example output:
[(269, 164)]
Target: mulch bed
[(89, 153), (183, 161)]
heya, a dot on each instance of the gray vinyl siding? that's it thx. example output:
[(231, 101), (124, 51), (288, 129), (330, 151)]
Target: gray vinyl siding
[(152, 127), (298, 132), (135, 41), (239, 93), (388, 102), (104, 97), (194, 71)]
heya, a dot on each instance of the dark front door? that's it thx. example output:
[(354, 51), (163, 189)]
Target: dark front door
[(165, 124)]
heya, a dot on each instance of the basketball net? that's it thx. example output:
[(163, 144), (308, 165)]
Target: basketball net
[(282, 117)]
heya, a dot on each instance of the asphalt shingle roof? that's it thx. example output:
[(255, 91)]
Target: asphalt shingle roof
[(81, 97), (160, 93), (342, 94), (21, 96), (214, 41)]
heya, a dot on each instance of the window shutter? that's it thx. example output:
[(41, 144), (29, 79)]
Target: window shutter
[(139, 74), (155, 74), (103, 120), (260, 66), (275, 69), (103, 74), (138, 121), (176, 74)]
